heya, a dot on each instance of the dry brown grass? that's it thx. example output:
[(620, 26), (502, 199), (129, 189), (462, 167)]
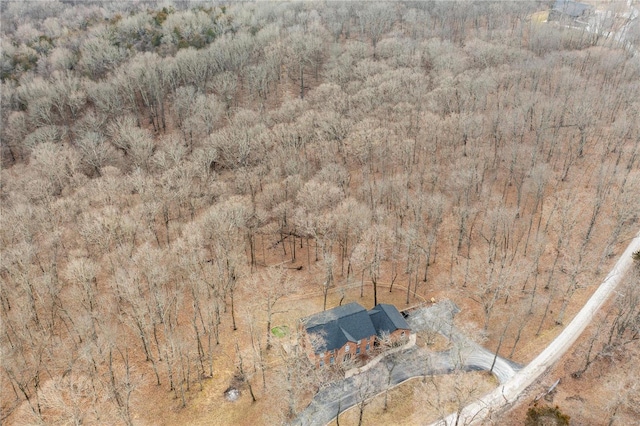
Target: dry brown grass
[(156, 405), (419, 401), (609, 382), (540, 17), (209, 407)]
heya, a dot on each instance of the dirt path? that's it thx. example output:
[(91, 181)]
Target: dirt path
[(509, 392)]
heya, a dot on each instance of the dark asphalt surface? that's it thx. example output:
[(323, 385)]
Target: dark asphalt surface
[(413, 362)]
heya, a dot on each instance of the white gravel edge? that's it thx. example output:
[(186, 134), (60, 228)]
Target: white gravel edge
[(509, 392)]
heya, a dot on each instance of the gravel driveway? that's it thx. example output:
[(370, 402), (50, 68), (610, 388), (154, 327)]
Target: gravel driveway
[(413, 362), (508, 393)]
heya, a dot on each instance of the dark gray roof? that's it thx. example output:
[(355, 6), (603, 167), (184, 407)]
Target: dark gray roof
[(387, 319), (571, 8), (337, 326), (350, 323), (332, 314)]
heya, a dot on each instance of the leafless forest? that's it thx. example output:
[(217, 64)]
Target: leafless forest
[(174, 176)]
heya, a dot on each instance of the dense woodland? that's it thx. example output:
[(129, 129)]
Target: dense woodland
[(160, 160)]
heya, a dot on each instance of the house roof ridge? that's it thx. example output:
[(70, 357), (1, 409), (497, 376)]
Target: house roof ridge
[(352, 322), (333, 314), (347, 335)]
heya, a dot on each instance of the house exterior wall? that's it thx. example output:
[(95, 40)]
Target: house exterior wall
[(339, 354), (323, 359), (399, 335), (351, 350)]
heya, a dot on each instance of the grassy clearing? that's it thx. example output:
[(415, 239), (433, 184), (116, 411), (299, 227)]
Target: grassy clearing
[(540, 17), (280, 331)]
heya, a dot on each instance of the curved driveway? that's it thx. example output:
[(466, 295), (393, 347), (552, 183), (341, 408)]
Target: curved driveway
[(466, 354), (413, 362), (508, 393)]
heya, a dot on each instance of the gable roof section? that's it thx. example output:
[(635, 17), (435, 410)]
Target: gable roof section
[(571, 8), (387, 319), (332, 314), (337, 326)]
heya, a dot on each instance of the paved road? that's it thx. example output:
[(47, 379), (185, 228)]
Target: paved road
[(508, 393), (340, 396), (466, 353), (414, 362)]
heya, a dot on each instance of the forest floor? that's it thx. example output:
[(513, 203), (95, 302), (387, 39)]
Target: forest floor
[(306, 300), (460, 272), (417, 400), (512, 390), (465, 355)]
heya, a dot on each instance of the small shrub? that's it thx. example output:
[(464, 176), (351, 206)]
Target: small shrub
[(546, 416), (280, 331)]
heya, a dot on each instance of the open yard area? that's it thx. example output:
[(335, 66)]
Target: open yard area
[(421, 401), (182, 182)]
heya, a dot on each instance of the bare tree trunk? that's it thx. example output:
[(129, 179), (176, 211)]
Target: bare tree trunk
[(495, 357), (233, 311)]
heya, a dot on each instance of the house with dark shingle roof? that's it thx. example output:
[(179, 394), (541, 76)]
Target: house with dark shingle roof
[(338, 334), (570, 10), (388, 321)]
